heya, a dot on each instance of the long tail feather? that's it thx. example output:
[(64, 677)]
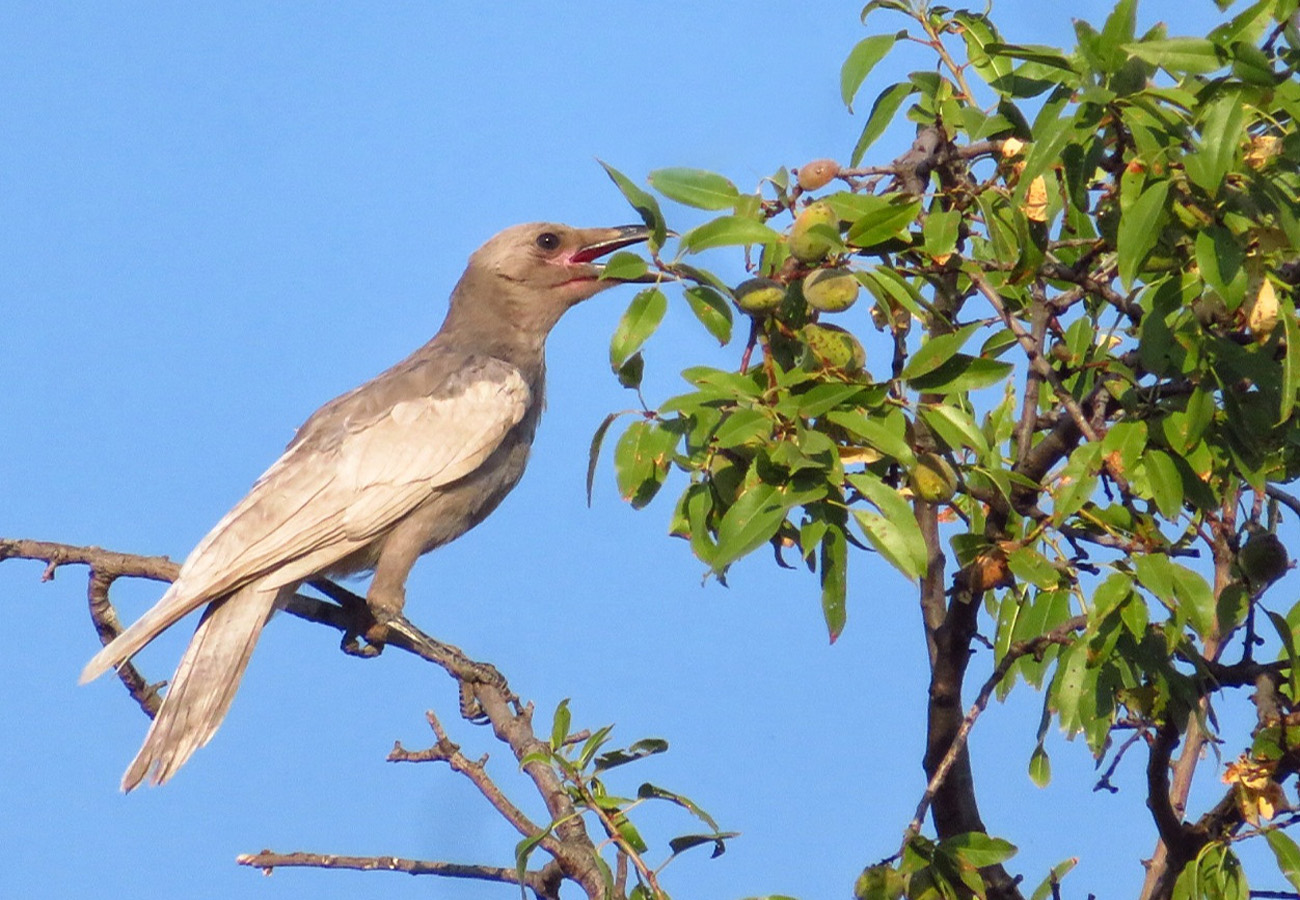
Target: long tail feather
[(204, 684), (173, 606)]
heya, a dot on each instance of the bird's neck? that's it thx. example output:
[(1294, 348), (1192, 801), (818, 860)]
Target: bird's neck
[(485, 324)]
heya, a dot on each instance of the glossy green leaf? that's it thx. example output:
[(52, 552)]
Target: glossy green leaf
[(639, 321), (936, 351), (884, 224), (979, 849), (728, 231), (1287, 854), (712, 310), (880, 117), (1040, 767), (887, 436), (743, 426), (834, 582), (1166, 482), (641, 460), (1139, 230), (941, 230), (1181, 55), (695, 187), (861, 60), (625, 266), (893, 532), (962, 373), (749, 523)]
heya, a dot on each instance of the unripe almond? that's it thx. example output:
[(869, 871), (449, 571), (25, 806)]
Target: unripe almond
[(831, 290), (759, 296), (933, 480), (832, 347), (806, 245)]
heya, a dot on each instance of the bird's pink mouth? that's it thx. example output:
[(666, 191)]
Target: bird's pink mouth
[(624, 236)]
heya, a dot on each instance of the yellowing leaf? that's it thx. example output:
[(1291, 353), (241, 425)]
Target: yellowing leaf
[(1263, 315), (1035, 205)]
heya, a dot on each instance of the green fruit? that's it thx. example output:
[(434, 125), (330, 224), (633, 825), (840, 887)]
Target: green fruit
[(806, 245), (831, 290), (831, 347), (1263, 559), (933, 480), (759, 296)]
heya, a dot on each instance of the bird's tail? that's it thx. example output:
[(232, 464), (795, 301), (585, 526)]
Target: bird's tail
[(204, 684)]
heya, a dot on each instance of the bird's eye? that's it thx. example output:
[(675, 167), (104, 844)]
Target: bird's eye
[(548, 240)]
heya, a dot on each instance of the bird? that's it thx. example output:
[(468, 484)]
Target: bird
[(375, 478)]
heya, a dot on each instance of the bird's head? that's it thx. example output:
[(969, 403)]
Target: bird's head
[(541, 269)]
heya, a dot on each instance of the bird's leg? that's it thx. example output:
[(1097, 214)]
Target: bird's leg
[(361, 624)]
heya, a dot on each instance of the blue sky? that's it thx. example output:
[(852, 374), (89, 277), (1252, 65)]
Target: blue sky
[(214, 220)]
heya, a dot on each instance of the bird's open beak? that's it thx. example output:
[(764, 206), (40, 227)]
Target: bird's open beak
[(603, 241)]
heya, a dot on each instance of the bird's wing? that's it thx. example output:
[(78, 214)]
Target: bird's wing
[(340, 485), (353, 478)]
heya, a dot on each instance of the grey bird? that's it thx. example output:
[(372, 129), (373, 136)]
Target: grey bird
[(405, 463)]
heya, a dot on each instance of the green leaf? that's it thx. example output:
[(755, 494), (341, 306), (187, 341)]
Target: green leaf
[(955, 426), (1287, 853), (893, 532), (640, 320), (560, 724), (940, 231), (880, 117), (640, 750), (861, 60), (1180, 55), (1166, 482), (713, 311), (884, 224), (593, 453), (877, 431), (962, 373), (717, 839), (749, 523), (1040, 767), (641, 460), (834, 572), (625, 266), (1049, 884), (695, 187), (936, 351), (646, 205), (1140, 227), (741, 427), (727, 231), (1291, 361), (979, 34), (1221, 133), (978, 848)]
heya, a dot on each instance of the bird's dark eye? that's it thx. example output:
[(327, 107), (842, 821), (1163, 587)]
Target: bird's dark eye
[(548, 240)]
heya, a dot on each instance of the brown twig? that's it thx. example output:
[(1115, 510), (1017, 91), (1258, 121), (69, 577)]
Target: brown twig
[(1061, 634), (484, 692), (541, 882)]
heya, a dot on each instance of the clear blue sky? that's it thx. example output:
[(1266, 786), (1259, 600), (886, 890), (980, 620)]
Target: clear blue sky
[(214, 218)]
